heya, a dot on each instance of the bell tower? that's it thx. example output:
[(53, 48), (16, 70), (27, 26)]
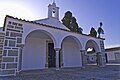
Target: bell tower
[(53, 11)]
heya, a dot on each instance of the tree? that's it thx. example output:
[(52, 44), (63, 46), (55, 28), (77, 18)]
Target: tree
[(80, 30), (93, 32), (67, 19), (73, 24), (100, 30), (70, 22)]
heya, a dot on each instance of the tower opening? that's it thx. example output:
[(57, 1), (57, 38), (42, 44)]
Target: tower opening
[(53, 11)]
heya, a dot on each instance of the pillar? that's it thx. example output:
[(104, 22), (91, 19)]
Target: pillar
[(84, 59), (61, 59), (46, 64), (101, 59), (57, 58), (20, 59)]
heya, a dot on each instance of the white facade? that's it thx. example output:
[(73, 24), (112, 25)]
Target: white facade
[(44, 44), (113, 54)]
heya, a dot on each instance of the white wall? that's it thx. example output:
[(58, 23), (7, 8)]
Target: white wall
[(71, 55), (34, 54), (110, 55)]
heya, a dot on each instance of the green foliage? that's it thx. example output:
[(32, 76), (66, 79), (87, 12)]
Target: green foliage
[(70, 22), (101, 24), (80, 30), (93, 32), (67, 19), (100, 30), (73, 24)]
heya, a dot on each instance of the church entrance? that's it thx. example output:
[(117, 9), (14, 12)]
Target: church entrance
[(51, 55)]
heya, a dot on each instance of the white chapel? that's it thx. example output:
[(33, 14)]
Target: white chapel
[(44, 44)]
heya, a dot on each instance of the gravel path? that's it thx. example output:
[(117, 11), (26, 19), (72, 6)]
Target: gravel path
[(111, 72)]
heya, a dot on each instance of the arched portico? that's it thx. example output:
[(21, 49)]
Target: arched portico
[(37, 51), (70, 52), (91, 49), (92, 44)]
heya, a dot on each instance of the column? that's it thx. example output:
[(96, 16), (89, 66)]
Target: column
[(83, 58), (46, 64), (101, 59), (20, 59), (61, 59), (57, 58)]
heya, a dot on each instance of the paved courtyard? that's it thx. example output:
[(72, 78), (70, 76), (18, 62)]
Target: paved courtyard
[(111, 72)]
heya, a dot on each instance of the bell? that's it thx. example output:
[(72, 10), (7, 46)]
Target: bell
[(53, 11)]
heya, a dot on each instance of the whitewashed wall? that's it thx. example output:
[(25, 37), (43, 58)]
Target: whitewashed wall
[(71, 54), (34, 54), (111, 55)]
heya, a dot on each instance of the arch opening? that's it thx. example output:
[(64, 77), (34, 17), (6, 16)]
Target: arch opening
[(70, 51), (36, 50), (91, 51)]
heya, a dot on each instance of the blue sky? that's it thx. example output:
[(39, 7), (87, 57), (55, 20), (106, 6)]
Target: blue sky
[(87, 12)]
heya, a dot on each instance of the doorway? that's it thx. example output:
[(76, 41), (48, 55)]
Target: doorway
[(51, 55)]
